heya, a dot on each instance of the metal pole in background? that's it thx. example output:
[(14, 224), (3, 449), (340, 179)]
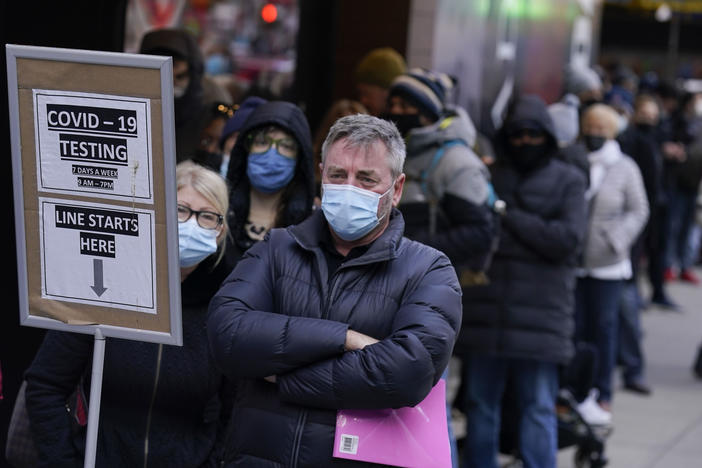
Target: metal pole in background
[(95, 394)]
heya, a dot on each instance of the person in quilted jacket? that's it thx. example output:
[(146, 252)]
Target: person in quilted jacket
[(340, 311)]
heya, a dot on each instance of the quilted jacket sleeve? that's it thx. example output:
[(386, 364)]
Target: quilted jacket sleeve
[(401, 369), (248, 340), (623, 234), (557, 238)]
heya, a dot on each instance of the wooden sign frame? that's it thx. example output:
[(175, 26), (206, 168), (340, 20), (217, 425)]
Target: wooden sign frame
[(133, 230)]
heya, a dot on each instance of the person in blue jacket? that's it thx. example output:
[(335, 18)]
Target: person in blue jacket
[(337, 312)]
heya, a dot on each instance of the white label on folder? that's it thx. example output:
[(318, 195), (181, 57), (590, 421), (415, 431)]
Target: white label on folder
[(348, 444)]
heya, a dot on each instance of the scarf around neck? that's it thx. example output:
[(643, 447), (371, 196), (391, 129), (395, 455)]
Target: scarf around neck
[(600, 161)]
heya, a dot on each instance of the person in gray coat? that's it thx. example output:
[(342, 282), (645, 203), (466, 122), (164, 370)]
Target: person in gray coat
[(445, 200), (618, 211)]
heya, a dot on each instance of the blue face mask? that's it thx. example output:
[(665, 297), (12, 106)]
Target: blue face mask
[(195, 243), (351, 212), (270, 171)]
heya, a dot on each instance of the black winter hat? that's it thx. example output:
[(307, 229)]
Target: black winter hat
[(424, 89)]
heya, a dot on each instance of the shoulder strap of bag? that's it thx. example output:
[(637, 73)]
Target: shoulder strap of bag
[(424, 177), (467, 276), (426, 172)]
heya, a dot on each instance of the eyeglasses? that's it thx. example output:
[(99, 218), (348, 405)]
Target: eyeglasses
[(206, 219), (260, 142), (525, 132)]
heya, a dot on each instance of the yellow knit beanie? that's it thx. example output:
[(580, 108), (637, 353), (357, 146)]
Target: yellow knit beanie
[(380, 67)]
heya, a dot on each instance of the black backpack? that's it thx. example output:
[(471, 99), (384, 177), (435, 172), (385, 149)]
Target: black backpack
[(468, 275)]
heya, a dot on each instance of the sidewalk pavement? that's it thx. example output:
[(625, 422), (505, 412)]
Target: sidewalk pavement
[(663, 430)]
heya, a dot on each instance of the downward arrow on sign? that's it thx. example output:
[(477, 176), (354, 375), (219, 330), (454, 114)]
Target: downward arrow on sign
[(97, 277)]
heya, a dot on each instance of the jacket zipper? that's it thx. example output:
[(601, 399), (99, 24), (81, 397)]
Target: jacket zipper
[(330, 294), (151, 405)]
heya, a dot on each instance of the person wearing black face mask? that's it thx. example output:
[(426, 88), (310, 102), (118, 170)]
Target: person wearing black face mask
[(527, 147), (618, 211), (642, 141), (416, 100), (445, 200), (517, 330), (639, 141)]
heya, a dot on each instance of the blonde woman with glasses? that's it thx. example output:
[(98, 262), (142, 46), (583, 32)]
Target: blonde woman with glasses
[(161, 405)]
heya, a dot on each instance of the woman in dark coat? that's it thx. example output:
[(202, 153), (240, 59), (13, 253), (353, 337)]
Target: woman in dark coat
[(270, 177), (265, 192), (160, 405)]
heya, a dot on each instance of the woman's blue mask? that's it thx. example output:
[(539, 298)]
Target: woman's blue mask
[(270, 171), (351, 212), (195, 243)]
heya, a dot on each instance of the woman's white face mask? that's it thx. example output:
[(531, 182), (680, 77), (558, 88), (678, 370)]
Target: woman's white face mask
[(179, 91)]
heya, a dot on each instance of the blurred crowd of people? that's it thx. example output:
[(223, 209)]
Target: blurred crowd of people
[(550, 226)]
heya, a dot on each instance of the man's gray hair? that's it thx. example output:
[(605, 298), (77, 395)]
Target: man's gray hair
[(362, 131)]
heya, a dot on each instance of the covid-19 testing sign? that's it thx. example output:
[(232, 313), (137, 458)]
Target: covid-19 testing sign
[(93, 154), (103, 144)]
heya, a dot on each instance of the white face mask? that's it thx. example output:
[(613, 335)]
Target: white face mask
[(179, 91), (195, 243)]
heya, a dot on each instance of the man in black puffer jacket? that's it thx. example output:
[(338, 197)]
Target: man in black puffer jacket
[(519, 328), (338, 312)]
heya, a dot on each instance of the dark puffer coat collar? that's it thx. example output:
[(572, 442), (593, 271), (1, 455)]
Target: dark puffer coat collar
[(308, 235)]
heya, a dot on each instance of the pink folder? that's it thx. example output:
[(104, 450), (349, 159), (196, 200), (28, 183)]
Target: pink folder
[(413, 437)]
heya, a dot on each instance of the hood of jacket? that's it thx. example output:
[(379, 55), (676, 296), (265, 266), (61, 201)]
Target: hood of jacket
[(532, 109), (454, 124), (181, 44), (299, 194)]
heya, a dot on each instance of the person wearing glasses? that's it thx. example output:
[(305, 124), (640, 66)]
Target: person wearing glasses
[(270, 175), (518, 329), (161, 405)]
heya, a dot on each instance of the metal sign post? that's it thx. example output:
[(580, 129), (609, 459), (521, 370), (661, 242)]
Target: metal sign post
[(95, 394)]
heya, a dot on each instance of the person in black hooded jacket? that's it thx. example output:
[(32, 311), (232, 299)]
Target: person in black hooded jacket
[(253, 209), (519, 326), (195, 93), (271, 185), (270, 175), (188, 69)]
